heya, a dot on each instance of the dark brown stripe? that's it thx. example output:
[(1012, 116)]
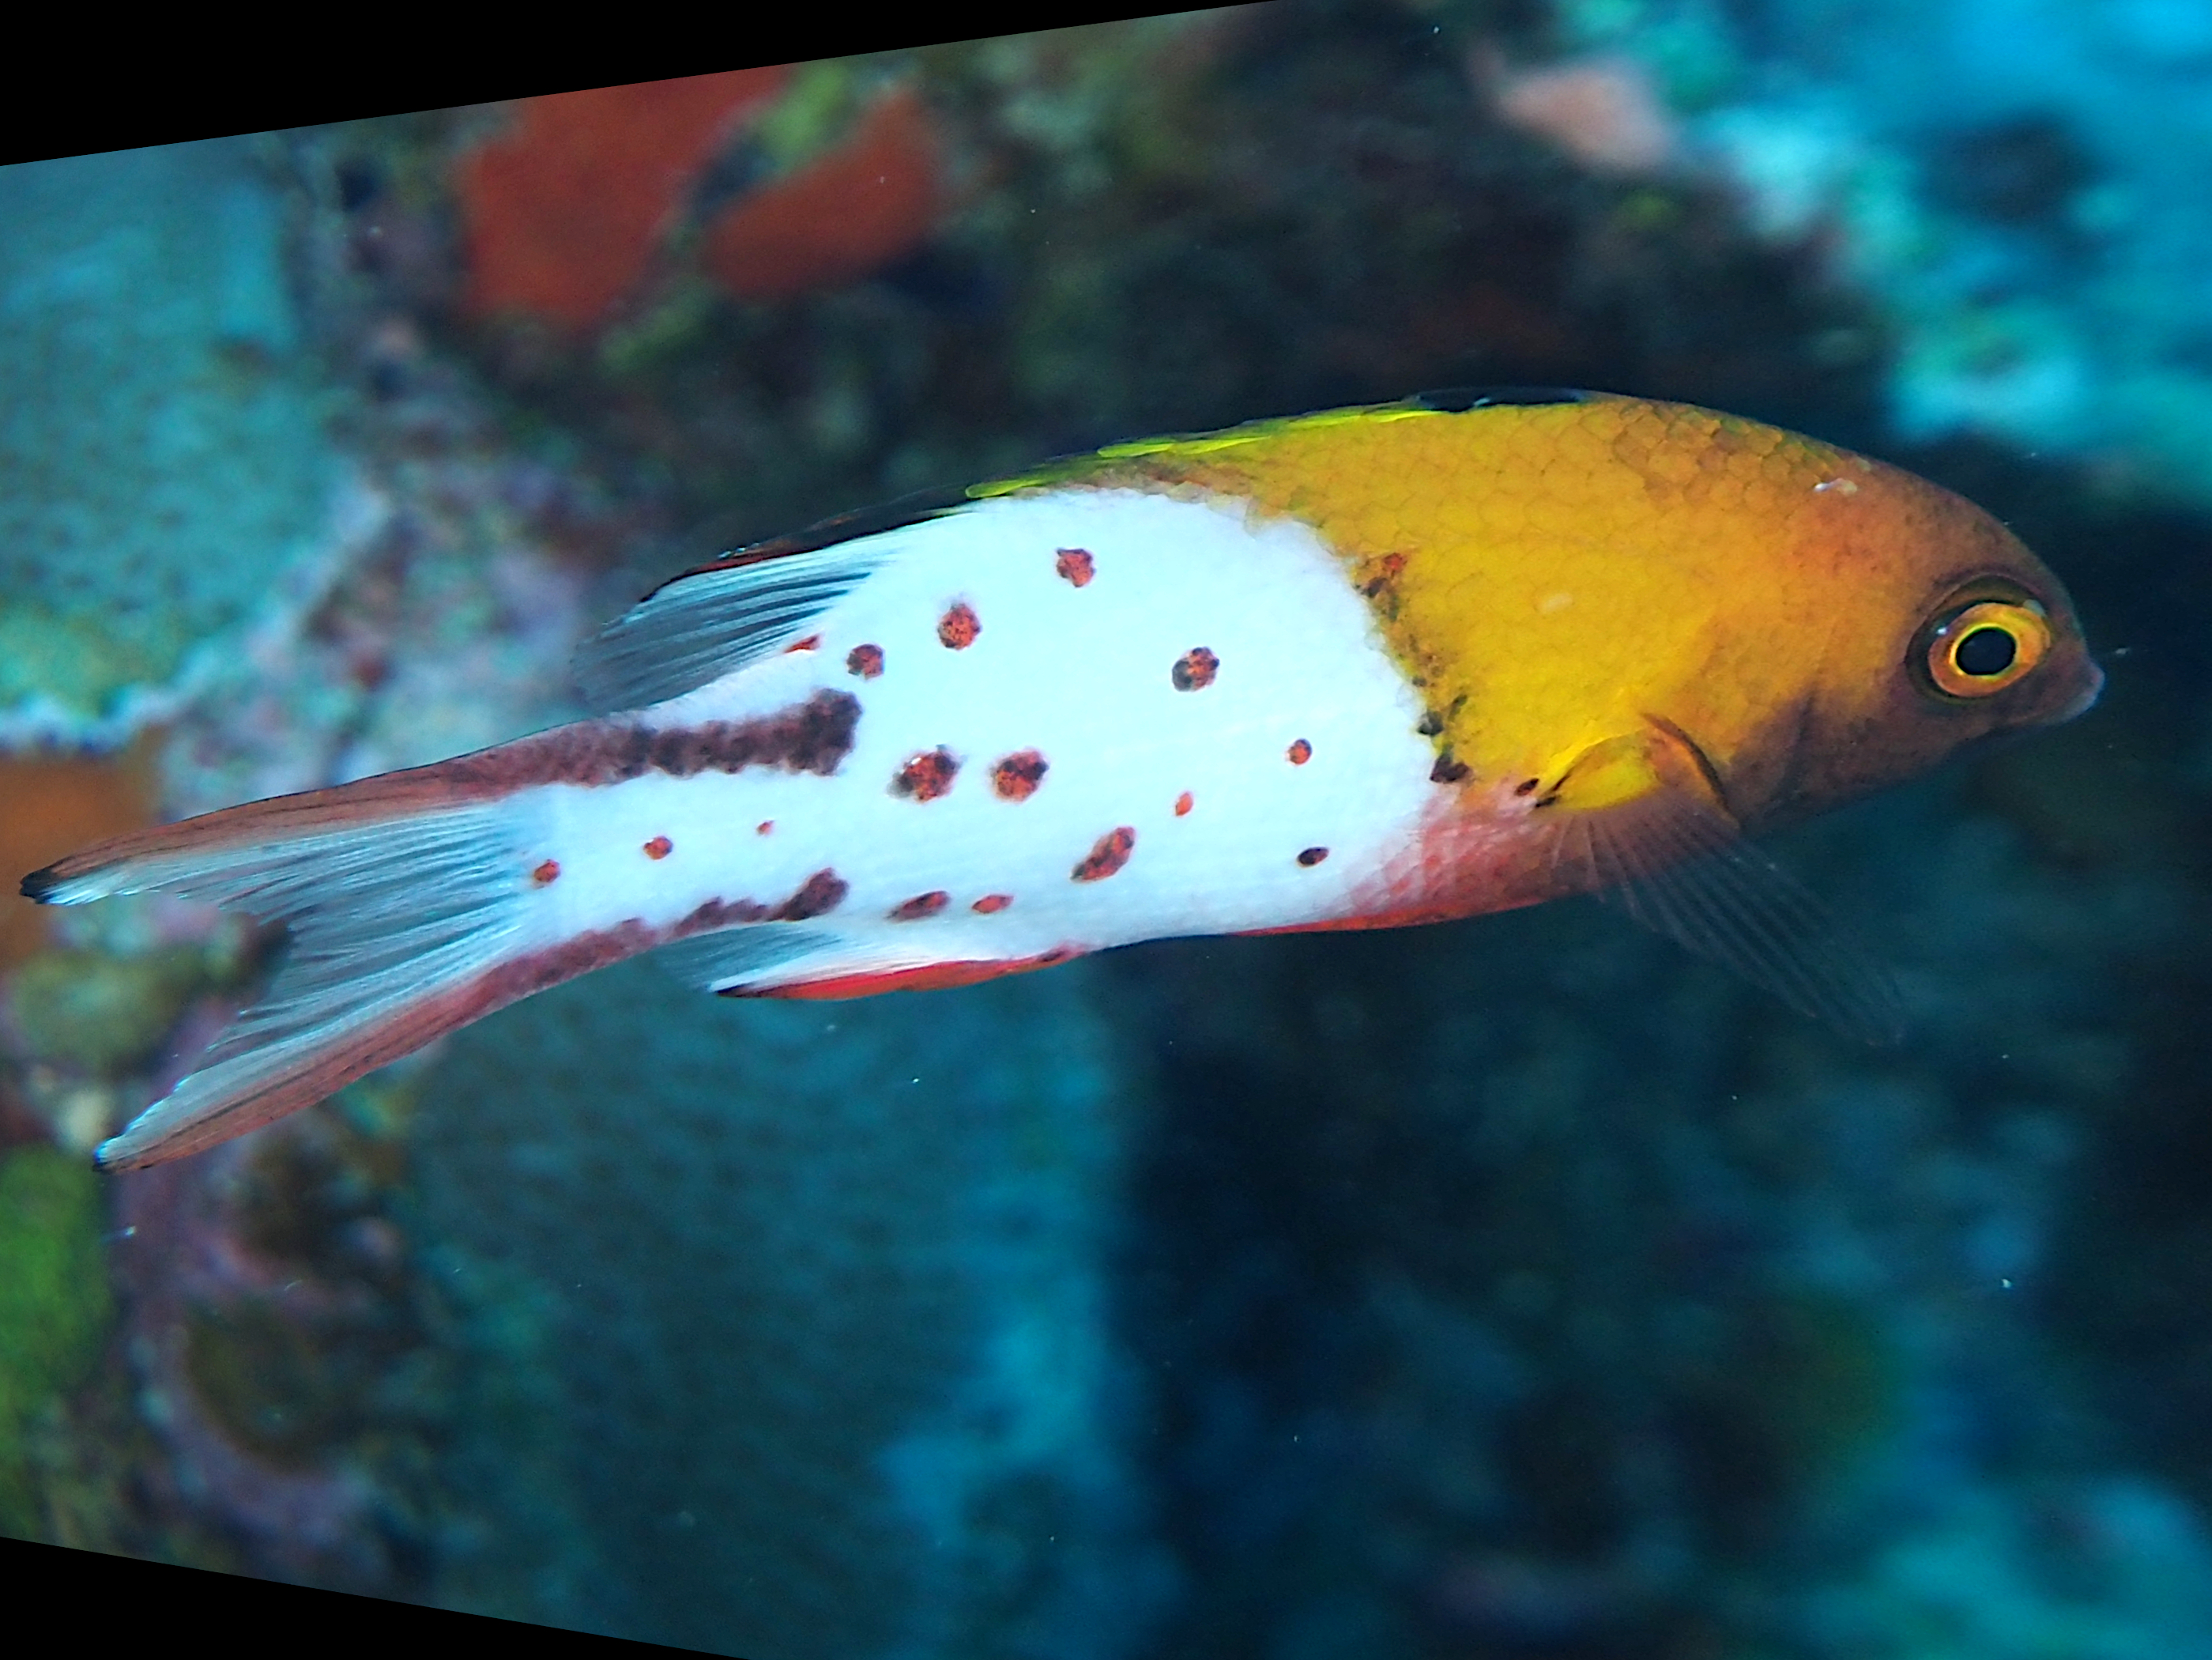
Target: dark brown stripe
[(821, 893), (814, 737)]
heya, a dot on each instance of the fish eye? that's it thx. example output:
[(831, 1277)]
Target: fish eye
[(1985, 647)]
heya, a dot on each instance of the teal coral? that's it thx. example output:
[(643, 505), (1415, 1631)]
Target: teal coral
[(162, 462), (825, 1288)]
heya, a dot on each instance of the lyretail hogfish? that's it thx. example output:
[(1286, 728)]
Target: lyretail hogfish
[(1375, 666)]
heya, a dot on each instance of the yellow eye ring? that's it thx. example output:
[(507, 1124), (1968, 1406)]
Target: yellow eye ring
[(1986, 648)]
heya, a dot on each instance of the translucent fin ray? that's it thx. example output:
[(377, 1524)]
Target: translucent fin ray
[(733, 957), (394, 927), (700, 627), (1681, 869)]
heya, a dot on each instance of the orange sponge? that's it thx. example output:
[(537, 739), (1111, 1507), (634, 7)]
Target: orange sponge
[(563, 212), (873, 198)]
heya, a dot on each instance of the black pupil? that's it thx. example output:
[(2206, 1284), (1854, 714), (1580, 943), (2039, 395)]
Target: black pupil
[(1985, 652)]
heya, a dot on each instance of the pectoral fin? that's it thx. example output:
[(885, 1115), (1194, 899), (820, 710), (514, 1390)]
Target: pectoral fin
[(1642, 814)]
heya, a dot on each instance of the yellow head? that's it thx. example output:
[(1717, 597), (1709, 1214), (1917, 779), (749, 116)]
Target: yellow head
[(1600, 596)]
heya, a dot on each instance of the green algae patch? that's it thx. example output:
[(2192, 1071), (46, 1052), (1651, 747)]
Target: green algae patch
[(100, 1013), (55, 1307)]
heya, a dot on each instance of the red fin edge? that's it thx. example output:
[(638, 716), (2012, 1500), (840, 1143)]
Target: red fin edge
[(934, 976)]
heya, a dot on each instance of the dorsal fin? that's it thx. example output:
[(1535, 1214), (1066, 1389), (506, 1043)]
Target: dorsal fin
[(1459, 400), (719, 616)]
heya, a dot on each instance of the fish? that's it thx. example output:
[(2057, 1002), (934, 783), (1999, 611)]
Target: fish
[(1369, 667)]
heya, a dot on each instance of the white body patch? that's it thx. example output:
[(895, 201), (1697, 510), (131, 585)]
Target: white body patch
[(1084, 678)]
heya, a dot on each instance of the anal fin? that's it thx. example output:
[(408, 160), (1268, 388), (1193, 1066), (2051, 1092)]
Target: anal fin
[(807, 961)]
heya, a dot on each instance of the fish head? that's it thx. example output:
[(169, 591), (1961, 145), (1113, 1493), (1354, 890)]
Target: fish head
[(1886, 630), (1572, 582)]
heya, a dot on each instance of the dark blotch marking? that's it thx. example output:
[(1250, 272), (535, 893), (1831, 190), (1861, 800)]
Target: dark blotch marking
[(1076, 565), (1431, 723), (1107, 854), (927, 776), (813, 736), (1194, 670), (1016, 778), (1526, 787), (659, 848), (1448, 772), (1313, 856), (867, 661), (1386, 571), (921, 905), (1300, 752), (821, 893), (959, 626), (992, 902)]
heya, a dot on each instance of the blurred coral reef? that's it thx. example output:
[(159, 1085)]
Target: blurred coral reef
[(2011, 179), (1515, 1288)]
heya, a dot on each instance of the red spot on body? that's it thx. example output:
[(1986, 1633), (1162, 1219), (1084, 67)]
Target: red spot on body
[(1194, 670), (764, 827), (921, 905), (1313, 856), (927, 776), (1183, 803), (959, 626), (1301, 752), (992, 902), (659, 848), (867, 661), (1016, 778), (1075, 564), (1107, 854), (546, 871), (813, 642)]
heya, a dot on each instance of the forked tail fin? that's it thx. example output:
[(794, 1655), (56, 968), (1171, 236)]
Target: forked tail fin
[(407, 919)]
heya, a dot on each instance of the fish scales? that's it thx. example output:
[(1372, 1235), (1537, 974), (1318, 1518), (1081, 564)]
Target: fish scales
[(1085, 680), (1368, 667)]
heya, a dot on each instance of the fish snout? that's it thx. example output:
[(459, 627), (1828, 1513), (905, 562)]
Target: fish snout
[(2091, 680)]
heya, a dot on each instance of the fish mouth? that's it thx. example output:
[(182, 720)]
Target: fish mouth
[(2080, 704)]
